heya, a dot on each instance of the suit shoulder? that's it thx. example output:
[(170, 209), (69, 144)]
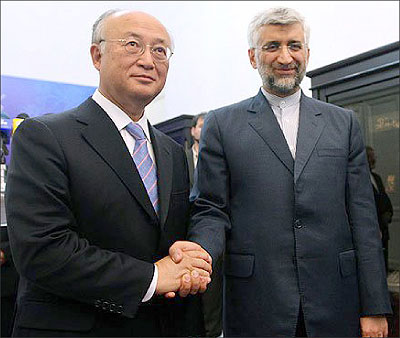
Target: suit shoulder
[(233, 108), (230, 114), (326, 106), (53, 119), (60, 122)]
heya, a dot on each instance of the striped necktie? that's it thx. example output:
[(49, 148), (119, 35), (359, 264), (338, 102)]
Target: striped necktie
[(144, 163)]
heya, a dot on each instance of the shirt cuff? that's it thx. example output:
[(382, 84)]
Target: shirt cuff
[(152, 288)]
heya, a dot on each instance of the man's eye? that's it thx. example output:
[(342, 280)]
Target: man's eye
[(132, 44), (160, 50), (295, 46), (271, 47)]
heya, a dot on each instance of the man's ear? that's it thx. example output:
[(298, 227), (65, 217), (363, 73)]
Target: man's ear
[(252, 57), (96, 56)]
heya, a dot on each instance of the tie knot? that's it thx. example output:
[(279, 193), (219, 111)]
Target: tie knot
[(136, 131)]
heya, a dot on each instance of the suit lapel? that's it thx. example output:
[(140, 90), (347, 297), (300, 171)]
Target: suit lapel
[(263, 121), (311, 124), (164, 172), (101, 133)]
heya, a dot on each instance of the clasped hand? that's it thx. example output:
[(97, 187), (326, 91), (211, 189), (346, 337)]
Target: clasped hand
[(186, 270)]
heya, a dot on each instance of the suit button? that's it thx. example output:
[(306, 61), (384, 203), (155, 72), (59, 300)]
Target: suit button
[(106, 306), (119, 309), (298, 224)]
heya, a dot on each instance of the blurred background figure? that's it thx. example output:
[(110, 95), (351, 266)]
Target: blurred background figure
[(3, 162), (383, 204), (18, 120), (9, 284), (192, 153), (9, 275)]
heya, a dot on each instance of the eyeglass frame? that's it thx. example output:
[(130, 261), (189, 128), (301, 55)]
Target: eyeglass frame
[(279, 48), (126, 42)]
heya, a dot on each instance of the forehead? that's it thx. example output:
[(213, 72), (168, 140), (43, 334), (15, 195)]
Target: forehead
[(136, 24), (281, 32), (200, 121)]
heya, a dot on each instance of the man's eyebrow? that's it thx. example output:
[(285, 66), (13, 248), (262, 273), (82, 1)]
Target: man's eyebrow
[(280, 42), (135, 35)]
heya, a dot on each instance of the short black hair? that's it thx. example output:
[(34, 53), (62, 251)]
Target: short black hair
[(22, 116), (197, 117)]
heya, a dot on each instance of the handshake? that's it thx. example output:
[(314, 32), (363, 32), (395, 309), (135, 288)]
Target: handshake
[(186, 270)]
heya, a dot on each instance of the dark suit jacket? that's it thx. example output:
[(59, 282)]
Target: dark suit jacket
[(302, 231), (83, 232)]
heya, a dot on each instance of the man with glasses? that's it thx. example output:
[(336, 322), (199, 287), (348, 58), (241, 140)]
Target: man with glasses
[(283, 185), (95, 198)]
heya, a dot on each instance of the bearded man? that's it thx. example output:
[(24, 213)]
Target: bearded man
[(283, 187)]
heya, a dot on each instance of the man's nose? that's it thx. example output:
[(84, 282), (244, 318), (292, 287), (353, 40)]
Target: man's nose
[(146, 58), (284, 56)]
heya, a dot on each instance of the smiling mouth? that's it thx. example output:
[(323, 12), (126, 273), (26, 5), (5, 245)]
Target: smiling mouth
[(144, 77), (285, 71)]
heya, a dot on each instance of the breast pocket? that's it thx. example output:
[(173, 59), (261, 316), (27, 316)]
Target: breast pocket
[(331, 152)]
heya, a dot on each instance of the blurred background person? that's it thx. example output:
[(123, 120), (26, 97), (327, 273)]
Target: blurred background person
[(9, 275), (9, 284), (192, 153), (383, 204)]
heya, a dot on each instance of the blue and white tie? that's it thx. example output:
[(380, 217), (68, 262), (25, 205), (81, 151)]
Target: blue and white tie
[(144, 163)]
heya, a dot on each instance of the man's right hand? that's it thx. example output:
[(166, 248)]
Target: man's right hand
[(176, 251), (190, 284), (2, 257), (190, 270)]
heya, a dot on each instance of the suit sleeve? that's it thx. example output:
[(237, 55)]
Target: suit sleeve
[(374, 296), (44, 238), (210, 194)]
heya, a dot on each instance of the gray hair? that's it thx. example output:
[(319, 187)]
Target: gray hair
[(97, 30), (276, 16)]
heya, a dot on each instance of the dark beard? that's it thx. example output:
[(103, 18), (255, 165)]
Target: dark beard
[(284, 89)]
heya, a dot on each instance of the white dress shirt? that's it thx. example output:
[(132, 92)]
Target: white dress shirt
[(287, 112), (121, 120), (373, 181), (195, 157)]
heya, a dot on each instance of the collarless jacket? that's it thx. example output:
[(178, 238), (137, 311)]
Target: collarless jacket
[(300, 231)]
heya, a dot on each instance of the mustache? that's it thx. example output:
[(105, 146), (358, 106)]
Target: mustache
[(289, 66)]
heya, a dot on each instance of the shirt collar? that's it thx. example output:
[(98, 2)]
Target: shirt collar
[(282, 102), (118, 116)]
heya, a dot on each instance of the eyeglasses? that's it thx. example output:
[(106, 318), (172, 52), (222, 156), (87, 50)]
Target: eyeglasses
[(160, 53), (275, 47)]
